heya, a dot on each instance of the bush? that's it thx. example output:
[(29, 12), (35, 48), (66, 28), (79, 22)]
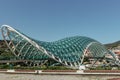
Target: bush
[(101, 68), (4, 66)]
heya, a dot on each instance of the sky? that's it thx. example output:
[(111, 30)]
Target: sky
[(51, 20)]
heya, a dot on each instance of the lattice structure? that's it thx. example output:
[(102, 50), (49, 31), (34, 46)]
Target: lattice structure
[(69, 51)]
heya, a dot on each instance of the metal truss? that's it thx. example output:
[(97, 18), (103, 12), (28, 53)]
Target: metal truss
[(70, 51)]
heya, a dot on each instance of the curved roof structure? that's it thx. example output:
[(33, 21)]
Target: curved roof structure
[(69, 51)]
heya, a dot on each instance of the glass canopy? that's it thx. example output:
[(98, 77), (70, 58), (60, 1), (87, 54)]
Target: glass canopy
[(70, 51)]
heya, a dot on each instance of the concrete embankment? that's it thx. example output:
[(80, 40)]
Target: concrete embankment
[(63, 72)]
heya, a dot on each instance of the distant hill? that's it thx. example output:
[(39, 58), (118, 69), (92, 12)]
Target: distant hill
[(113, 45)]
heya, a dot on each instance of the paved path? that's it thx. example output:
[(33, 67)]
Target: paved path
[(4, 76)]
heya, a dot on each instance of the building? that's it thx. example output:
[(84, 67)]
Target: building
[(71, 51)]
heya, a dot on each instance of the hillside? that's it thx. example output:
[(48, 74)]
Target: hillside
[(113, 45), (5, 53)]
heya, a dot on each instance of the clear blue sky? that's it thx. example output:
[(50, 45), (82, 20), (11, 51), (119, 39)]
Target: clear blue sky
[(50, 20)]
